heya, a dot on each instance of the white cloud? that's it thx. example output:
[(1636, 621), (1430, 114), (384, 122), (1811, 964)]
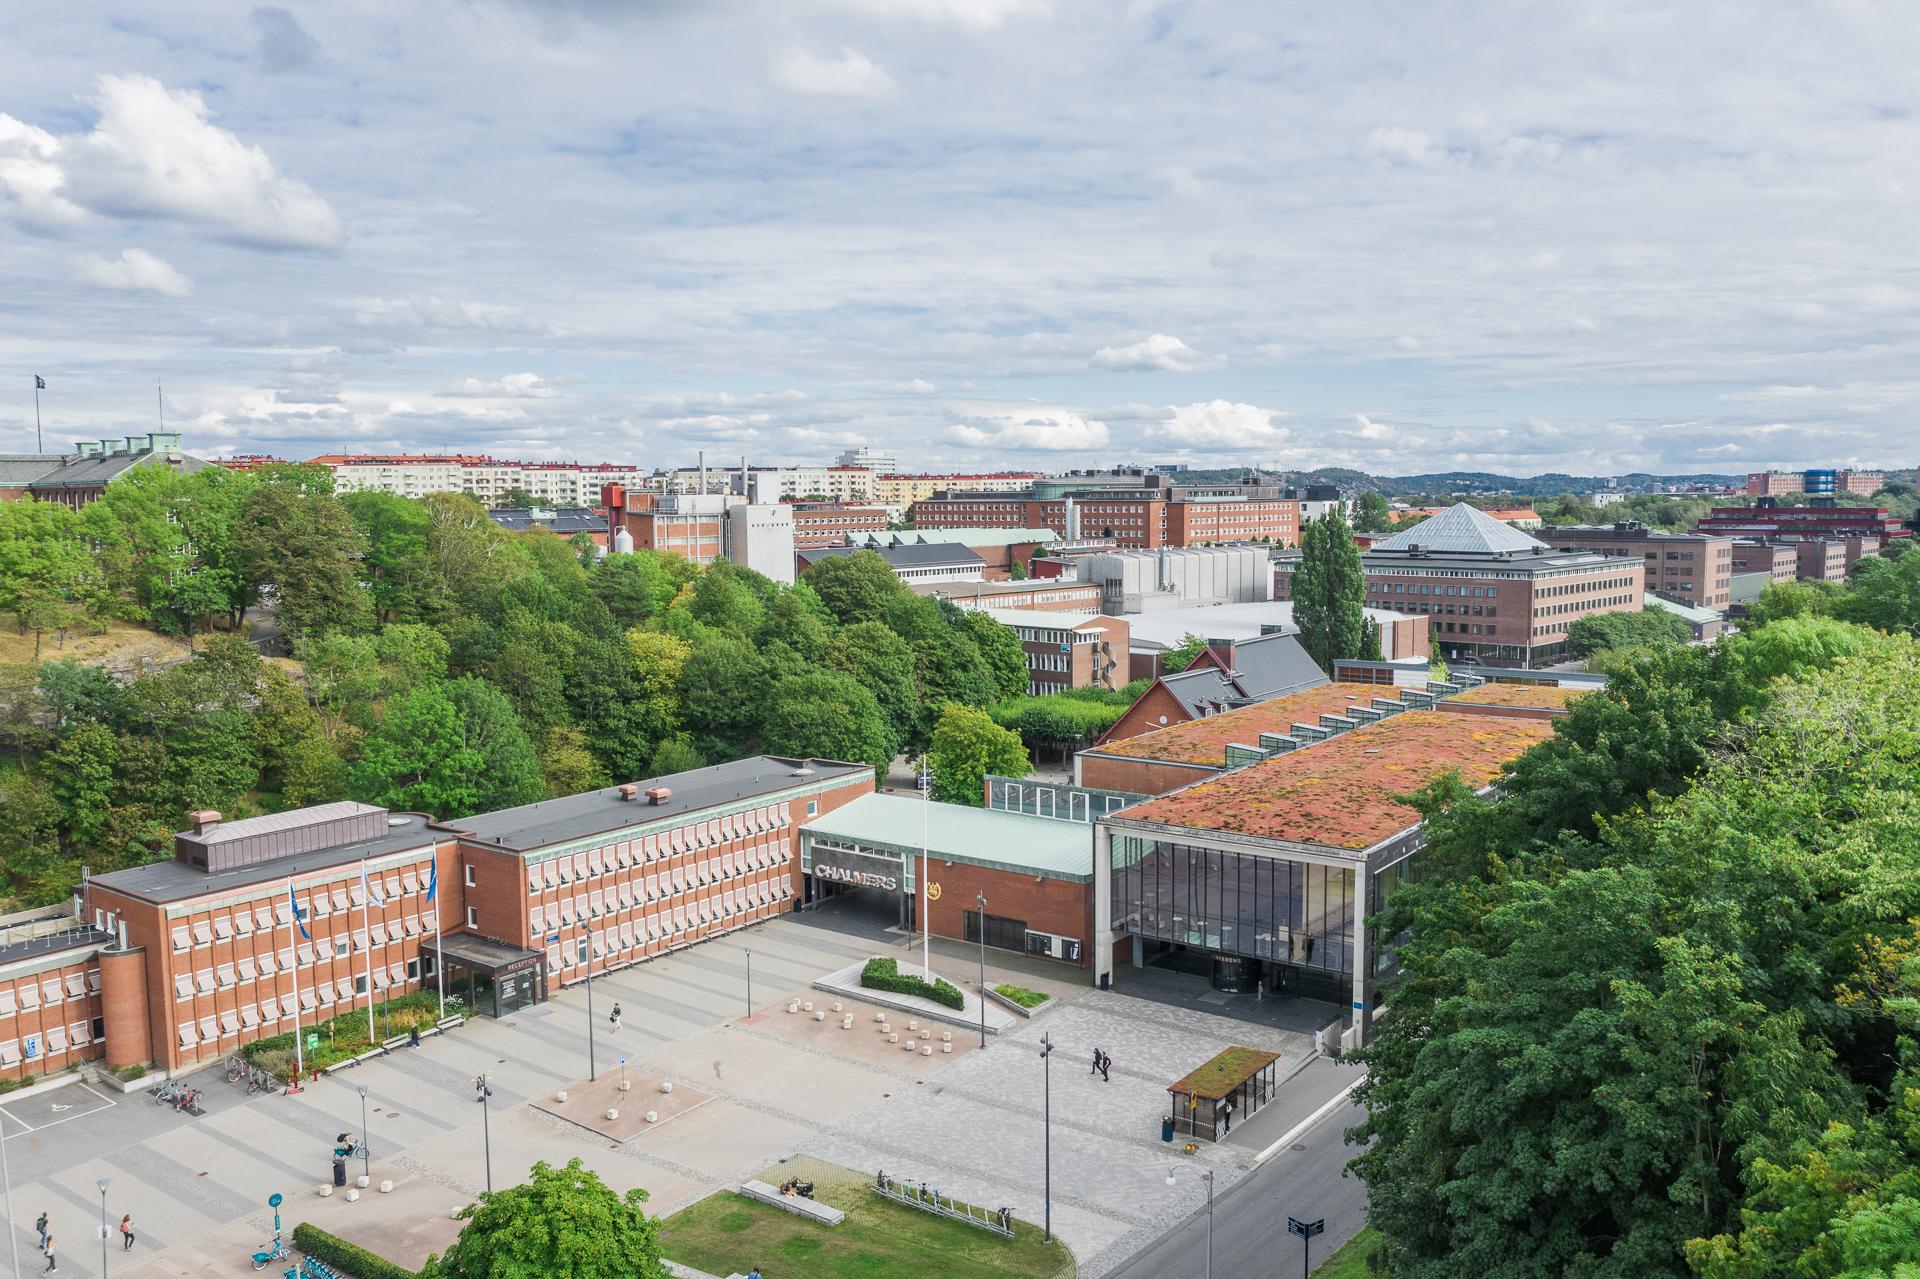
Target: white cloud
[(1159, 353), (135, 270), (430, 311), (31, 178), (979, 14), (1370, 429), (1220, 425), (514, 386), (1043, 430), (1409, 146), (154, 154), (851, 75)]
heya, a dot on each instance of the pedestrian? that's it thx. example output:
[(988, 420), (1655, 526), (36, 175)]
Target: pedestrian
[(41, 1227), (126, 1233), (1226, 1112), (46, 1246), (1106, 1064), (754, 1273), (1097, 1055), (413, 1035), (613, 1018)]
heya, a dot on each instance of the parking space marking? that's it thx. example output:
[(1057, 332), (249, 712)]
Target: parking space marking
[(70, 1111)]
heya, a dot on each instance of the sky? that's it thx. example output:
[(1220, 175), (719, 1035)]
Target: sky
[(984, 234)]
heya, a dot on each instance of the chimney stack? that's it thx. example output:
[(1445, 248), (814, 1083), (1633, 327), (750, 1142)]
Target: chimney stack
[(703, 472), (657, 795), (629, 792), (203, 820)]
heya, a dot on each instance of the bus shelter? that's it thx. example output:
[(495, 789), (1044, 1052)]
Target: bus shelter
[(1239, 1077)]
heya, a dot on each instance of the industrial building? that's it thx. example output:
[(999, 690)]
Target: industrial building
[(703, 527), (1168, 578), (999, 549)]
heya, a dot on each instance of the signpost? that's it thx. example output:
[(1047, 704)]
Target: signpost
[(1306, 1230)]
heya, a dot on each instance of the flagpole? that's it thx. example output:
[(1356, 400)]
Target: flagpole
[(366, 894), (38, 445), (439, 960), (293, 949)]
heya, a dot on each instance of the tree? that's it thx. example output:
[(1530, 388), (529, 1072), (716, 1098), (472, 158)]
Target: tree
[(307, 550), (675, 755), (1885, 595), (418, 758), (561, 1223), (1653, 628), (405, 582), (1182, 655), (1372, 513), (967, 745), (1329, 591), (49, 578), (827, 715), (855, 588), (567, 766), (635, 587), (509, 766), (723, 689), (515, 500), (883, 664), (1001, 648)]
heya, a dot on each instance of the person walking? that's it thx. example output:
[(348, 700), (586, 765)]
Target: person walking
[(613, 1018), (46, 1246), (413, 1035), (754, 1273), (40, 1228), (1098, 1056), (126, 1233), (1106, 1064)]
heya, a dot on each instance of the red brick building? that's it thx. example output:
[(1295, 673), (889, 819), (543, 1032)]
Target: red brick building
[(1693, 568), (831, 523)]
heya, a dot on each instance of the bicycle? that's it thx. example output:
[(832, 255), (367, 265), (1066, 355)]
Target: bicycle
[(237, 1068), (166, 1094)]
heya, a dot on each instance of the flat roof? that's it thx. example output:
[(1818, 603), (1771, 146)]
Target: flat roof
[(1537, 696), (1166, 628), (170, 880), (1205, 741), (598, 812), (988, 837), (1058, 619), (1348, 791)]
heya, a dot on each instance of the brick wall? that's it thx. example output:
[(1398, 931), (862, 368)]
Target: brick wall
[(1053, 906), (50, 1013)]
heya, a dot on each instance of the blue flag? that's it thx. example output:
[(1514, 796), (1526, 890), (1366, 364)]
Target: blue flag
[(299, 916), (433, 878)]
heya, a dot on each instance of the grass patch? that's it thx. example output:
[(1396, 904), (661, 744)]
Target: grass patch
[(1021, 995), (1351, 1261), (727, 1234), (346, 1035)]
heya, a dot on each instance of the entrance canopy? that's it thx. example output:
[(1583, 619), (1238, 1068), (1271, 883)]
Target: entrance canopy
[(481, 955), (500, 977)]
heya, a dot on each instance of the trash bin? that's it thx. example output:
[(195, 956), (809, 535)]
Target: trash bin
[(1166, 1130), (339, 1172)]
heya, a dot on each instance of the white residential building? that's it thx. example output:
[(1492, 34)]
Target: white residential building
[(486, 478)]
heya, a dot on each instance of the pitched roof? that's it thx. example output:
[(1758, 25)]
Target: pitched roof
[(1205, 741), (1461, 528), (23, 468)]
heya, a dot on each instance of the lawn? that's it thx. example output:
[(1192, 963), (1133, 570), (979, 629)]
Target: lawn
[(726, 1234), (1351, 1261), (1021, 995)]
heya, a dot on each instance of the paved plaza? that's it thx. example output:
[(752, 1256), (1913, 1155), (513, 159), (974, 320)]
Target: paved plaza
[(749, 1092)]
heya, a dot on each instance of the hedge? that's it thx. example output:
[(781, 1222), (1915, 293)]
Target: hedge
[(349, 1259), (345, 1035), (885, 974)]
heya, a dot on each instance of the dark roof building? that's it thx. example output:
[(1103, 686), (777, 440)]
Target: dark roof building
[(917, 562), (77, 478), (1221, 678)]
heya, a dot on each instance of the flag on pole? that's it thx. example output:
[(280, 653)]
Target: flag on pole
[(433, 878), (299, 916), (39, 383)]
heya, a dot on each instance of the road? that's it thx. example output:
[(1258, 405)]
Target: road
[(1250, 1220)]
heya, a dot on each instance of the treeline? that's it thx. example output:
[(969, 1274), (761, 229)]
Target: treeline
[(440, 663), (1661, 1005)]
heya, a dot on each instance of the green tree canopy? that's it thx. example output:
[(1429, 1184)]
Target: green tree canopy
[(967, 745), (1329, 591), (1651, 628), (827, 714), (561, 1223)]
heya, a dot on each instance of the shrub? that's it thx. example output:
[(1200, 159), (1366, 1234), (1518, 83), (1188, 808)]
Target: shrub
[(345, 1035), (130, 1073), (349, 1259), (1021, 995), (885, 974)]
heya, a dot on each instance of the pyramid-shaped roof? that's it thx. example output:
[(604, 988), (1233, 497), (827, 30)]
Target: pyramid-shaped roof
[(1461, 529)]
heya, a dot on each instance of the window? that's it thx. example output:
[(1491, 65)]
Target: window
[(473, 917), (341, 947), (580, 951), (813, 807), (467, 873)]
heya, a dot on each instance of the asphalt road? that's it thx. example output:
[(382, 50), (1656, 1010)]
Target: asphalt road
[(1250, 1236)]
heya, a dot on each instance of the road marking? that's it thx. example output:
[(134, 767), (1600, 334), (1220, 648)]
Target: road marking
[(104, 1100), (1300, 1129)]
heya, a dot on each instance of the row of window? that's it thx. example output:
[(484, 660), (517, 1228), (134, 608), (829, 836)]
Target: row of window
[(668, 924), (229, 1023), (1478, 610), (264, 917), (52, 989), (52, 1041), (627, 896), (322, 950)]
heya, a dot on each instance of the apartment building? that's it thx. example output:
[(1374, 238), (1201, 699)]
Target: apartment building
[(1691, 568), (486, 478), (1068, 650), (1814, 483), (1145, 514), (900, 491), (1493, 593), (832, 523)]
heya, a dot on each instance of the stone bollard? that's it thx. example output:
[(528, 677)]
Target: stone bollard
[(666, 1086), (561, 1095), (913, 1025), (946, 1047), (363, 1181), (653, 1116), (454, 1212), (926, 1050), (819, 1016), (386, 1187), (946, 1036), (353, 1195), (836, 1005), (626, 1085), (893, 1037), (808, 1005), (326, 1190), (613, 1112), (909, 1045), (794, 1007)]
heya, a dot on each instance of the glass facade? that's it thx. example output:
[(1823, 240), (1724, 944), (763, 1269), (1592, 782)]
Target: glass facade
[(1234, 903)]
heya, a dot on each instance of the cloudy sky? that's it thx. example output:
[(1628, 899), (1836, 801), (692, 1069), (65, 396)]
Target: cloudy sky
[(1399, 236)]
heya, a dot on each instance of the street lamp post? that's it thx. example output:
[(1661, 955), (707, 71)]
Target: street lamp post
[(366, 1157), (102, 1183), (1046, 1069), (1208, 1174), (749, 983), (553, 939), (982, 899), (482, 1088)]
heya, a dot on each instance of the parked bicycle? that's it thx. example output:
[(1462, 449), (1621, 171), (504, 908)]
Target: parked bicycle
[(238, 1068), (166, 1094), (275, 1251), (186, 1100)]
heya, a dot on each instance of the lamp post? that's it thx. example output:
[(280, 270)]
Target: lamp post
[(366, 1157), (553, 939), (749, 983), (1208, 1174), (926, 925), (1046, 1070), (6, 1180), (1306, 1230), (482, 1088), (102, 1183), (982, 899)]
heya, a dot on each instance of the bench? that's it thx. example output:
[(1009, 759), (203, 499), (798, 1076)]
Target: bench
[(798, 1205)]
